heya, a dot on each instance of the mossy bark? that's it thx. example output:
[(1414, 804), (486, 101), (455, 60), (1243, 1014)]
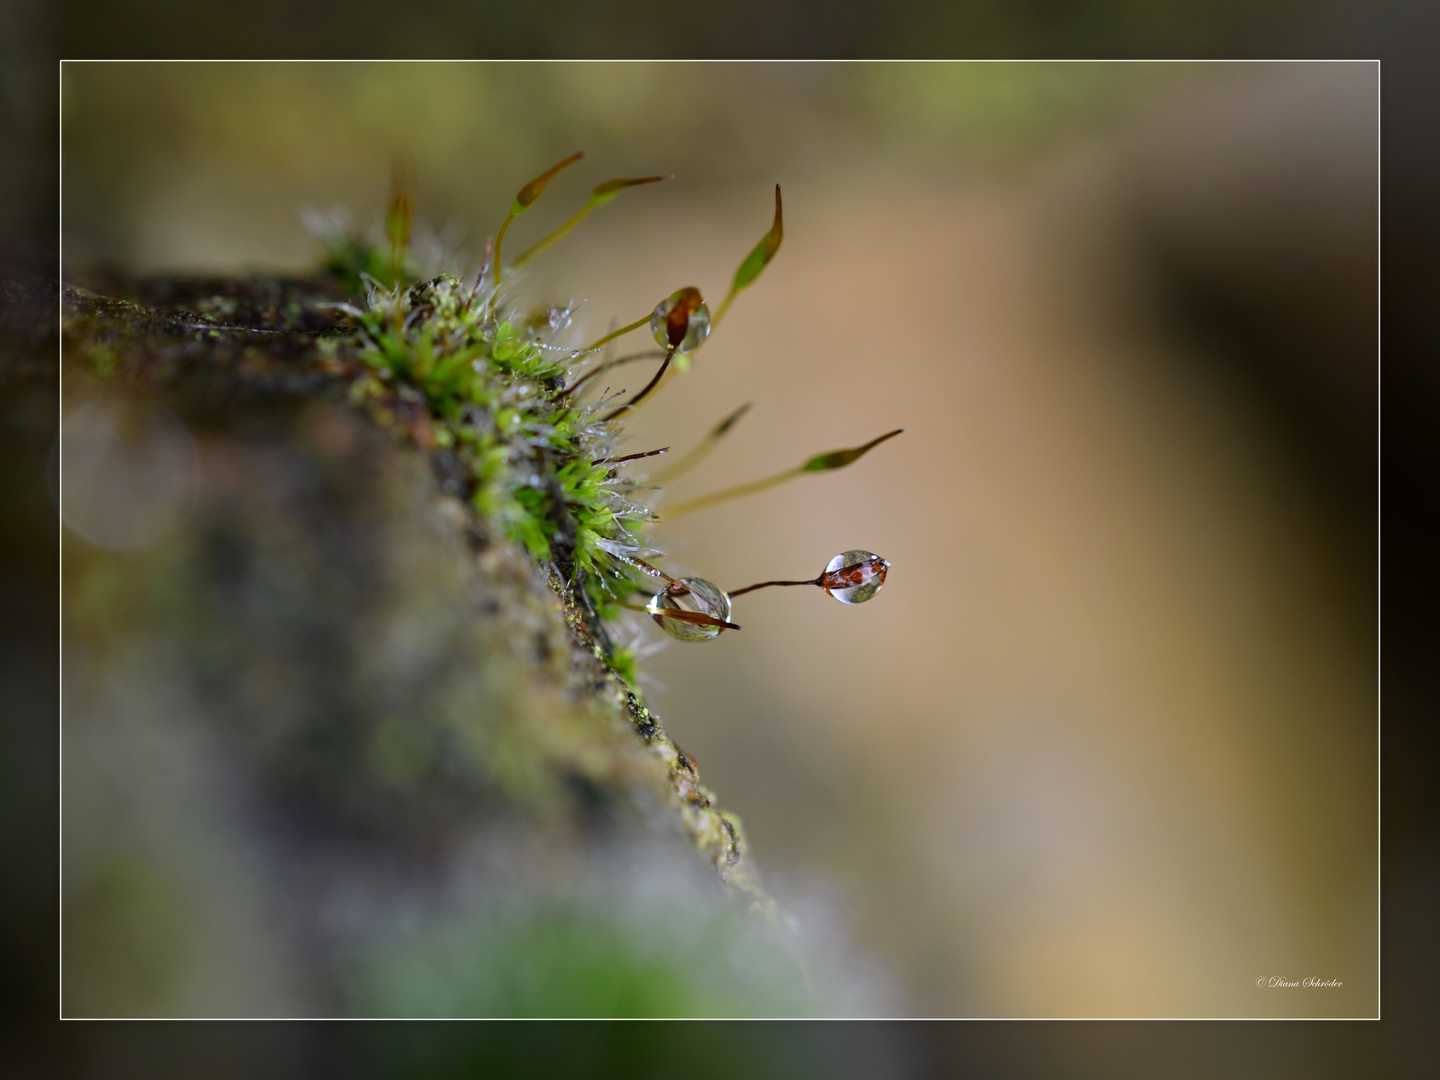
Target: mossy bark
[(331, 723)]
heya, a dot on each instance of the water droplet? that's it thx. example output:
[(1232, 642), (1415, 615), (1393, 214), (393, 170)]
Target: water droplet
[(681, 321), (852, 577), (694, 596)]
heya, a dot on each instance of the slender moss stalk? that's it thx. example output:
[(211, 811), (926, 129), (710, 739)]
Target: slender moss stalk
[(834, 459)]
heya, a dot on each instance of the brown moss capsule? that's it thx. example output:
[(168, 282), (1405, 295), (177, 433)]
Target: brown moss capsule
[(691, 609), (852, 577), (681, 321)]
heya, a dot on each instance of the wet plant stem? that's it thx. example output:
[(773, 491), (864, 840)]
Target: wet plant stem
[(702, 450), (766, 584), (669, 355), (614, 334), (652, 354), (739, 491)]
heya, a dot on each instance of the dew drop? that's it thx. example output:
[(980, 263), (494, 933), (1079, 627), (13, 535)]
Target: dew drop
[(558, 318), (681, 320), (694, 595), (852, 577)]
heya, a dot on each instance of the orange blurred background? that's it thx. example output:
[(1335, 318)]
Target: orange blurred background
[(1106, 743)]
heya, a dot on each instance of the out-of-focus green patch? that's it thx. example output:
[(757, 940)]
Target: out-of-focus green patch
[(131, 928), (103, 361), (624, 663), (350, 259), (607, 957), (996, 110), (398, 753)]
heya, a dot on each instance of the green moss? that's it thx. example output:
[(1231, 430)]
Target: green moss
[(103, 361), (537, 461), (625, 664), (487, 391), (493, 393)]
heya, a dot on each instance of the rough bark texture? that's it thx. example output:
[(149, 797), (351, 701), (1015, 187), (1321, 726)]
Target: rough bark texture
[(332, 745)]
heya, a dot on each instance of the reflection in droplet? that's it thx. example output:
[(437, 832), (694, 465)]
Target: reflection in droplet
[(852, 577), (695, 595), (681, 321), (128, 473)]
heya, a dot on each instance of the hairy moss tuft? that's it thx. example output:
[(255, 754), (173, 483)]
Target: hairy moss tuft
[(534, 458)]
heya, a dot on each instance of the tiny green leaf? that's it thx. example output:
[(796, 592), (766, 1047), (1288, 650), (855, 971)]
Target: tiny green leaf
[(599, 197), (763, 252), (608, 190), (523, 200), (838, 459), (527, 195), (835, 459), (758, 259)]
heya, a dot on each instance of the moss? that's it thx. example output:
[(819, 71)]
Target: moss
[(625, 664), (493, 391), (486, 390)]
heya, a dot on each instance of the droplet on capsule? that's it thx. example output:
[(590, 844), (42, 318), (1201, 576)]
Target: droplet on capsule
[(691, 609), (852, 577), (681, 321)]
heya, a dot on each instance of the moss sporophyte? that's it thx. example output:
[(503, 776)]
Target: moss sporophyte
[(501, 393), (514, 413)]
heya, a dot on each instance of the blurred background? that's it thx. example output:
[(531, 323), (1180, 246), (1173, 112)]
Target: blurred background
[(1106, 745)]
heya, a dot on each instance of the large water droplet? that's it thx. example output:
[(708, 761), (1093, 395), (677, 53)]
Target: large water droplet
[(692, 595), (682, 314), (852, 577)]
